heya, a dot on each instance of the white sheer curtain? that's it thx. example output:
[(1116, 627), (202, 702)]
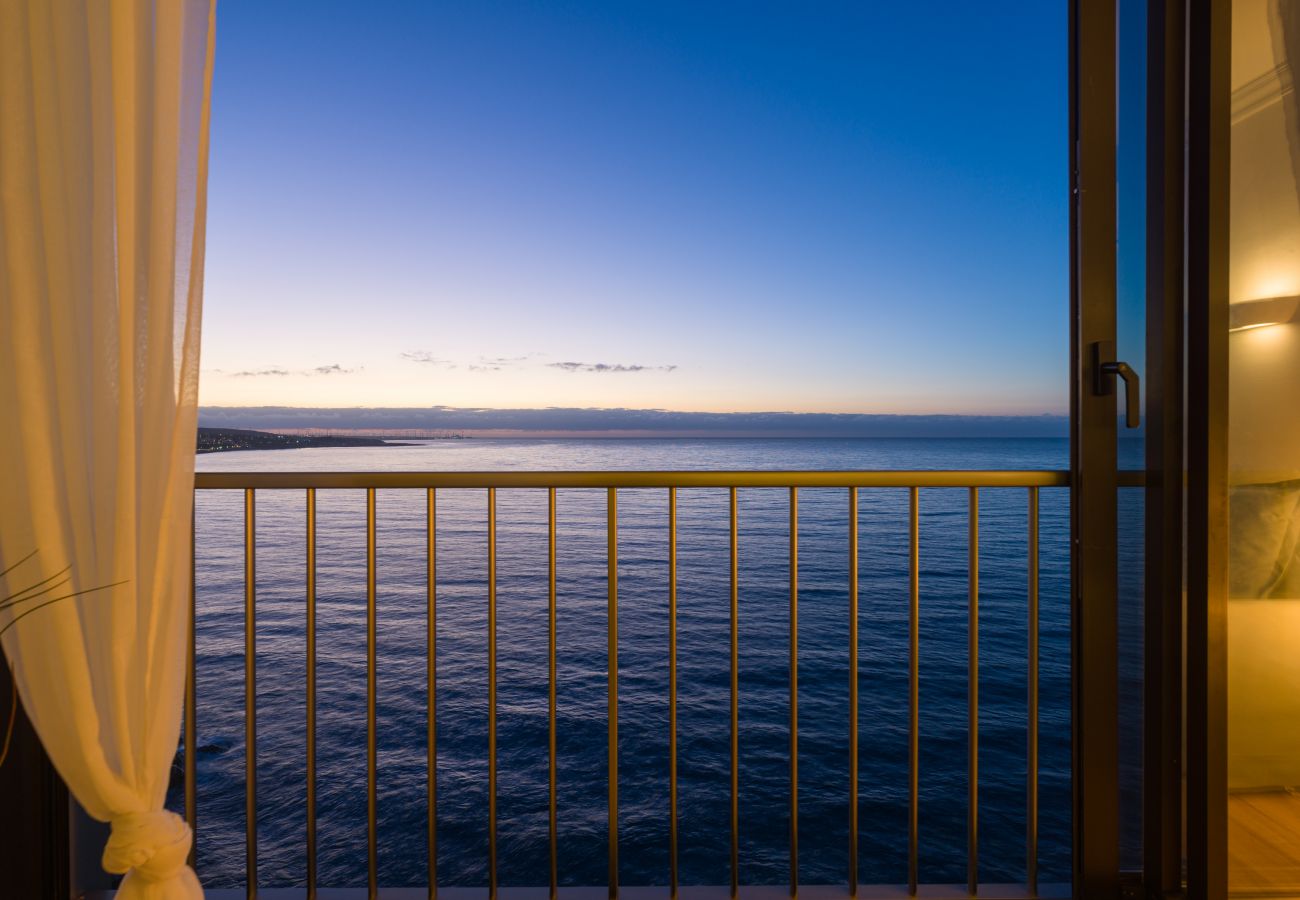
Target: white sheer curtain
[(103, 171)]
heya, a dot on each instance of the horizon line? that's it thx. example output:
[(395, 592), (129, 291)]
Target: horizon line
[(627, 422), (440, 408)]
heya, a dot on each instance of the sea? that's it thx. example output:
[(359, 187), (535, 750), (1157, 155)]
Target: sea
[(703, 663)]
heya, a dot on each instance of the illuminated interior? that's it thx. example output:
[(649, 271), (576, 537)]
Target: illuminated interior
[(1264, 456)]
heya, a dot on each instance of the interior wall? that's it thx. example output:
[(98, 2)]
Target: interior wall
[(1264, 397)]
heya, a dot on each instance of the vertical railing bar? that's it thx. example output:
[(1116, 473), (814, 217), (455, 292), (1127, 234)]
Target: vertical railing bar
[(913, 689), (311, 693), (191, 716), (1031, 787), (372, 747), (853, 692), (550, 666), (735, 694), (431, 690), (672, 694), (794, 692), (250, 694), (492, 690), (611, 516), (973, 696)]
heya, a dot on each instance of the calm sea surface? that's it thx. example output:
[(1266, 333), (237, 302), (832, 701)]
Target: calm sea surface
[(703, 577)]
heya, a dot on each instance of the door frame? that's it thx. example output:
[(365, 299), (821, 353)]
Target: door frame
[(1093, 433), (1185, 715), (1208, 93), (1162, 739)]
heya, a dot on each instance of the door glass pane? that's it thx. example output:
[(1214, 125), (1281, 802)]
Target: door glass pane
[(1264, 452), (1130, 334)]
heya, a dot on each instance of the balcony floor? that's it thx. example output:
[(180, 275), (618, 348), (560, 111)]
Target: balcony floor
[(691, 892)]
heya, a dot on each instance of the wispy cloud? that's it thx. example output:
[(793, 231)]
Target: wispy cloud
[(607, 367), (424, 357), (497, 363), (260, 373), (481, 364), (277, 372)]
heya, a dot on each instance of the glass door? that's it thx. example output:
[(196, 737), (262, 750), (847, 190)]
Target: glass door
[(1263, 451)]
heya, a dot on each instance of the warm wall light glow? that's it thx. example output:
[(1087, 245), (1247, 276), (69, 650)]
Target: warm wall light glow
[(1262, 313), (1274, 281)]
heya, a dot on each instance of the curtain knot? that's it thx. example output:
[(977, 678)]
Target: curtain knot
[(151, 849)]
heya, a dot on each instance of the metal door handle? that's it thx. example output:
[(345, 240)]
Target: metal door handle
[(1104, 369), (1132, 390)]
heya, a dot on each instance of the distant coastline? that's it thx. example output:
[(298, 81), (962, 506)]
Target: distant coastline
[(587, 423), (222, 440)]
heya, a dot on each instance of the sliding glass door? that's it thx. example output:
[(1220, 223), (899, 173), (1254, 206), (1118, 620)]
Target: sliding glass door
[(1263, 451)]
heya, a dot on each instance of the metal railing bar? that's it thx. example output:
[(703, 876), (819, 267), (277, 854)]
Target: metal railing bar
[(913, 688), (372, 747), (611, 552), (310, 627), (853, 692), (973, 696), (191, 716), (492, 690), (633, 479), (1031, 787), (1033, 481), (734, 615), (431, 689), (794, 692), (552, 814), (672, 694), (250, 694)]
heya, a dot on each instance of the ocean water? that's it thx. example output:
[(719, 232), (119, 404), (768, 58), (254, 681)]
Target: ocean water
[(703, 734)]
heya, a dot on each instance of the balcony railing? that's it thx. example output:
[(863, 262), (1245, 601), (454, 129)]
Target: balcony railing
[(612, 482)]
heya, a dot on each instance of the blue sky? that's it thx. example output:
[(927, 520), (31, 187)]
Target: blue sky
[(855, 207)]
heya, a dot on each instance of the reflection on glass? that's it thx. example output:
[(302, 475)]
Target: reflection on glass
[(1130, 320), (1264, 452)]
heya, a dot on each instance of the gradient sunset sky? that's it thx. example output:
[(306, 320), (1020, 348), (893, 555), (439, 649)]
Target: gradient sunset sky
[(856, 207)]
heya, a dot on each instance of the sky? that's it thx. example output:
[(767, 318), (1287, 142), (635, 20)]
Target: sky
[(841, 208)]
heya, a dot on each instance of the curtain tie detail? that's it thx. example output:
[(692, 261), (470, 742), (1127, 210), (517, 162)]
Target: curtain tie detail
[(151, 849)]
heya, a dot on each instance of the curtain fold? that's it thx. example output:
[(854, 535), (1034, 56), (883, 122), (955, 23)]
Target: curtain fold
[(104, 111)]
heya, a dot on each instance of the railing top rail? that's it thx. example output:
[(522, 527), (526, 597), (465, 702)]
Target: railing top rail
[(636, 479)]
